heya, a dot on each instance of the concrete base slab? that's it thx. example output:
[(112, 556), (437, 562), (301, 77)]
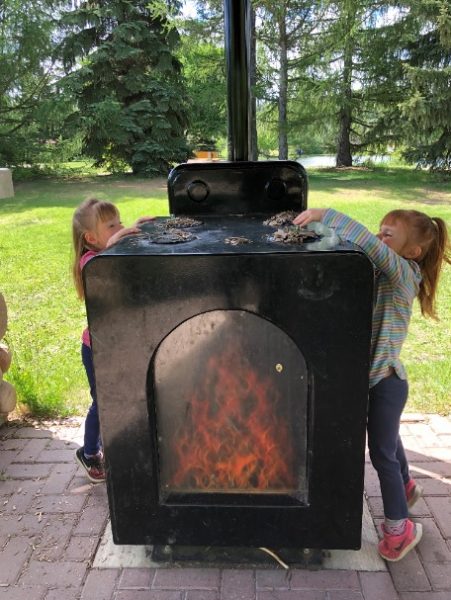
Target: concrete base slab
[(365, 559), (116, 556)]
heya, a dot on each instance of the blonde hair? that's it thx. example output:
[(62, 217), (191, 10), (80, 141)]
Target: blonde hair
[(431, 235), (86, 217)]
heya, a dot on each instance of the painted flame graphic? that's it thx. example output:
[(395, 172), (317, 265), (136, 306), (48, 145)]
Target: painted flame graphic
[(235, 435)]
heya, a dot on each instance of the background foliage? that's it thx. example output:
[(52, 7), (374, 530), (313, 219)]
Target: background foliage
[(134, 85)]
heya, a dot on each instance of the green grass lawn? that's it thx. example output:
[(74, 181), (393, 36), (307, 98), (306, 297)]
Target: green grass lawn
[(46, 319)]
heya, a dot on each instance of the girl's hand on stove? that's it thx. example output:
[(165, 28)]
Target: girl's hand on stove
[(122, 233), (142, 220), (308, 216)]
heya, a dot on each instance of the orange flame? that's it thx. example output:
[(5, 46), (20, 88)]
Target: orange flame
[(234, 437)]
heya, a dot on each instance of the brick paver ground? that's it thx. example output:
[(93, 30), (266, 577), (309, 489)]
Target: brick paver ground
[(52, 519)]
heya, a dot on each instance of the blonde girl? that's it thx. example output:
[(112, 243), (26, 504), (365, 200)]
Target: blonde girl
[(408, 254), (96, 225)]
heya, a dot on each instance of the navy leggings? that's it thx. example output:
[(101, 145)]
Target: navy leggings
[(92, 442), (386, 403)]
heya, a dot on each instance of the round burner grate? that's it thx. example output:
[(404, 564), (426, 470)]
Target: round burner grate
[(293, 235), (171, 236), (237, 240), (281, 219)]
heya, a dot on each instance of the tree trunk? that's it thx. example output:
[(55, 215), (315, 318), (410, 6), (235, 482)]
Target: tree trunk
[(344, 156), (253, 142), (283, 87)]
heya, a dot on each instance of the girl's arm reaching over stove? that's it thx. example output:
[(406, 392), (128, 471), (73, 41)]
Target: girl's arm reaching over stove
[(396, 268)]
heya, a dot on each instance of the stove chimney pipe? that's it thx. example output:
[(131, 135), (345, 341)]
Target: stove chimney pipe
[(237, 36)]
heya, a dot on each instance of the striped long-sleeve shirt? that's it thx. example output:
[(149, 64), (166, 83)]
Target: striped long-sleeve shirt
[(397, 285)]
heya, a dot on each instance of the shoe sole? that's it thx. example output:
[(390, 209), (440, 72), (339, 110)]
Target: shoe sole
[(413, 543), (83, 466)]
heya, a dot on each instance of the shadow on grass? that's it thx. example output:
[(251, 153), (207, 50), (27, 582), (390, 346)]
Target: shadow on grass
[(401, 184), (68, 193), (393, 184)]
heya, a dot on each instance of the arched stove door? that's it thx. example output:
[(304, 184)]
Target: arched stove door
[(228, 401)]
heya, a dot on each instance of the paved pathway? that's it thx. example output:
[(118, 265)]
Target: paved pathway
[(51, 522)]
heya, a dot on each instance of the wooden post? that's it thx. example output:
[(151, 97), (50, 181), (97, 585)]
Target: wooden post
[(6, 184)]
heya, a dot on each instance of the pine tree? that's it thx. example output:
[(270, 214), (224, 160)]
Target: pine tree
[(26, 76), (127, 83), (426, 110), (203, 62), (363, 74)]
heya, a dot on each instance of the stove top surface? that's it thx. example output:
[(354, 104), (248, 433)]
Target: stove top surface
[(230, 234)]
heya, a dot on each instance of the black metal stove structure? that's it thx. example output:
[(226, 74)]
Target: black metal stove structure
[(231, 365), (232, 382)]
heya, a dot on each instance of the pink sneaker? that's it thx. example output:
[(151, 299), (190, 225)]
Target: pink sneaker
[(395, 547), (94, 466), (414, 491)]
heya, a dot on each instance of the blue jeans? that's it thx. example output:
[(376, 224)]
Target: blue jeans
[(386, 403), (92, 443)]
